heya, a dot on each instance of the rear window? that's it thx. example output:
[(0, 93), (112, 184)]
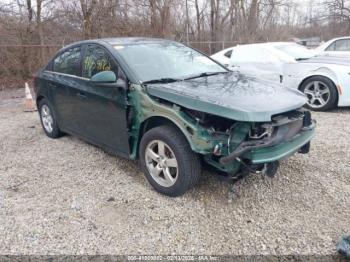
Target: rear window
[(68, 62), (228, 54)]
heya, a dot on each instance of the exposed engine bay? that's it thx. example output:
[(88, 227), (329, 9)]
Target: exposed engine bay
[(282, 128), (293, 121), (212, 122), (229, 144)]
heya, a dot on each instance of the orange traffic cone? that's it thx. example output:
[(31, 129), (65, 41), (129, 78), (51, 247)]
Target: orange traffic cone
[(29, 104)]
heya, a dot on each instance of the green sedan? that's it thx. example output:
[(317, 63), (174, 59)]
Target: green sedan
[(172, 108)]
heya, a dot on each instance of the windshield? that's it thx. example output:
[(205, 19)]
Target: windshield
[(296, 51), (153, 61)]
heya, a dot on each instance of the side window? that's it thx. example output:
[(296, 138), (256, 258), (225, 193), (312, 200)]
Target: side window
[(68, 62), (228, 53), (97, 60), (331, 47), (342, 45)]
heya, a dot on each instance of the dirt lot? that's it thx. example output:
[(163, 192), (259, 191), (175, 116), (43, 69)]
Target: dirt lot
[(64, 196)]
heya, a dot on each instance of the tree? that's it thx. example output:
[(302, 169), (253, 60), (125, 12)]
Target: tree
[(88, 8)]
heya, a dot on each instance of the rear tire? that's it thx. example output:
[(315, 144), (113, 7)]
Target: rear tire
[(48, 119), (321, 93), (168, 161)]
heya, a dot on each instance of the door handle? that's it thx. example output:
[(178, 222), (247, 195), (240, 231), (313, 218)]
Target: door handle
[(80, 95)]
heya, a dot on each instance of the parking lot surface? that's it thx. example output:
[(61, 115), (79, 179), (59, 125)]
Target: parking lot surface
[(65, 196)]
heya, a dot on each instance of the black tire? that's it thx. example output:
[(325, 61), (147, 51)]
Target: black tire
[(55, 133), (188, 162), (333, 93)]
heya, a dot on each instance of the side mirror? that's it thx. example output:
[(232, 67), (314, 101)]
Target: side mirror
[(104, 77)]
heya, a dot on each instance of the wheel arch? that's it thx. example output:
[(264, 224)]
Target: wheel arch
[(321, 72), (39, 98), (330, 78), (154, 121)]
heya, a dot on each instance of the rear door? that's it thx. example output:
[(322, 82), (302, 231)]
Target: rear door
[(103, 107), (63, 78)]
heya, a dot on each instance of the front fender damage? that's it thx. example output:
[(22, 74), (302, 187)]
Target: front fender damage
[(224, 149), (143, 107)]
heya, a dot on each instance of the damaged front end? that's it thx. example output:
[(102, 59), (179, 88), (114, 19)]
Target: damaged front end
[(226, 144), (281, 129), (258, 146)]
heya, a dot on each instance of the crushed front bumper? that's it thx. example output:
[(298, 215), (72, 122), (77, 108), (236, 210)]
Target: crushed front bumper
[(290, 135), (282, 150)]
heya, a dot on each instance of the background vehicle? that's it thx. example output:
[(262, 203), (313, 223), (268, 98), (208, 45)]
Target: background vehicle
[(323, 80), (335, 47), (224, 56), (171, 107)]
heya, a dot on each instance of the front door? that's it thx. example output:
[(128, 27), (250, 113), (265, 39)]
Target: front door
[(103, 108)]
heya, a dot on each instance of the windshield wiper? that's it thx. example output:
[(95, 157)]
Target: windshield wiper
[(161, 80), (205, 74), (171, 80)]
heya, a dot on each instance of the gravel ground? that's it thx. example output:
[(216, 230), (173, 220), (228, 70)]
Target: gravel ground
[(64, 196)]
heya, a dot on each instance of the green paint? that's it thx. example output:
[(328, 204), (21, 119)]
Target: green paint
[(281, 151), (202, 140), (244, 101)]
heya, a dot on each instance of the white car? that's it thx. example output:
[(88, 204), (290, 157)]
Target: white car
[(224, 56), (324, 80), (335, 47)]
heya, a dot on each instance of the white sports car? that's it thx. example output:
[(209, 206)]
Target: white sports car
[(325, 80)]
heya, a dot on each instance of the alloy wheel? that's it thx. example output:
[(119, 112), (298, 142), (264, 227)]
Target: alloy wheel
[(161, 163), (46, 118), (318, 94)]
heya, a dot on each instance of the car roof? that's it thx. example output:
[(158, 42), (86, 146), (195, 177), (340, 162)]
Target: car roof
[(265, 44), (123, 41), (340, 38), (134, 40), (269, 44), (118, 41)]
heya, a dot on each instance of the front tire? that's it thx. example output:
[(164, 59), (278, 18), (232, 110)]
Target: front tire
[(48, 119), (168, 161), (321, 93)]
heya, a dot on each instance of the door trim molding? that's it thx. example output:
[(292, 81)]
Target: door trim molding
[(63, 74)]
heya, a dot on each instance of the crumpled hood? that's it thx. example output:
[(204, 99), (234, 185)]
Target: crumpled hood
[(231, 95)]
